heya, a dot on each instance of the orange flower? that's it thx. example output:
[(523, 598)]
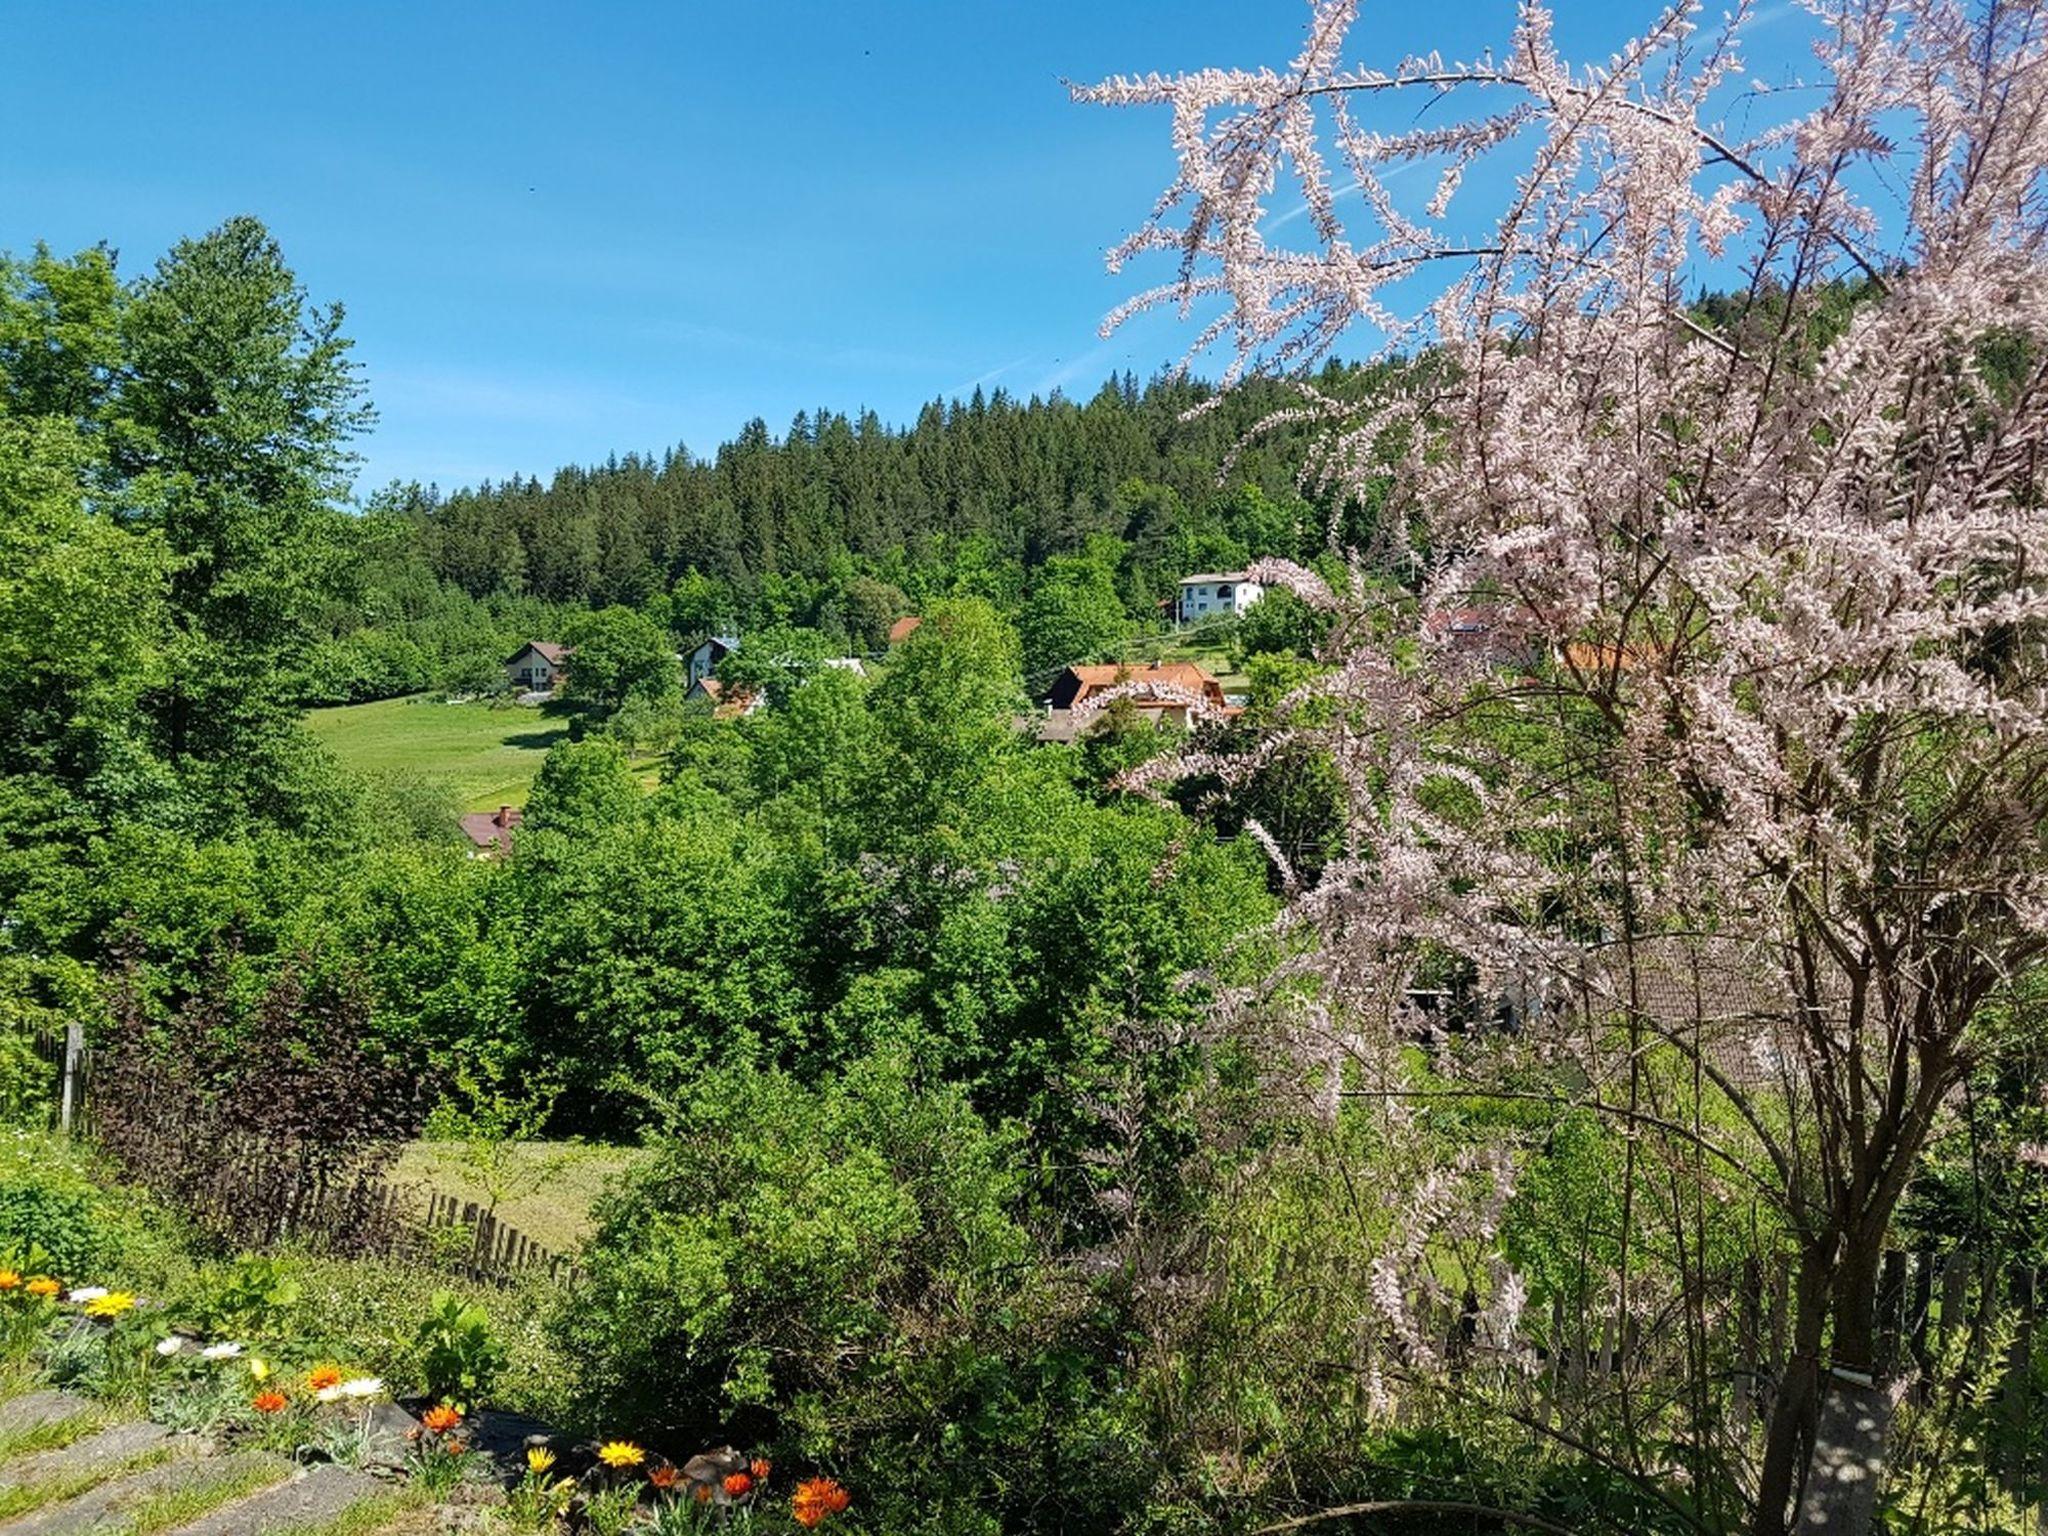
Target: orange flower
[(441, 1418), (738, 1485), (664, 1476), (323, 1377), (701, 1492), (268, 1402), (43, 1285), (8, 1279), (815, 1499), (761, 1468)]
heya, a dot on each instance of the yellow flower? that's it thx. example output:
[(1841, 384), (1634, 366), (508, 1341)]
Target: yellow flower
[(258, 1369), (113, 1304), (620, 1453), (43, 1285), (9, 1279), (539, 1458)]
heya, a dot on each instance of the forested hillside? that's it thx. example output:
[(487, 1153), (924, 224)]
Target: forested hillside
[(840, 525)]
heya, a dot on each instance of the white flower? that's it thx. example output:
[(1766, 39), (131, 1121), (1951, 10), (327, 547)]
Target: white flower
[(170, 1346), (220, 1351), (363, 1386), (327, 1394), (87, 1293)]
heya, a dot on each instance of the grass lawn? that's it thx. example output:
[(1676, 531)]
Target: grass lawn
[(556, 1213), (489, 755)]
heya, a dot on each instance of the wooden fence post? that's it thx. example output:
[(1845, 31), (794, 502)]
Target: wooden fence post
[(74, 1057)]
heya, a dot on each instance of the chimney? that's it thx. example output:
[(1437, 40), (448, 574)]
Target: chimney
[(504, 817)]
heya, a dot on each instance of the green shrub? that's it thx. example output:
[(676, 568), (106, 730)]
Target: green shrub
[(248, 1300), (53, 1198), (460, 1357), (844, 1273), (367, 1310)]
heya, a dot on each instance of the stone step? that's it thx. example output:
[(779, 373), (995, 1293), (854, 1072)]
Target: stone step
[(32, 1410), (313, 1497), (99, 1452), (112, 1504)]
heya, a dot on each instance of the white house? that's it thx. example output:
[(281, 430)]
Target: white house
[(537, 666), (706, 656), (1214, 596)]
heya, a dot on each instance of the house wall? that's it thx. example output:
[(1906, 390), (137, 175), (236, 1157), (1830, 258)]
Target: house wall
[(533, 671), (700, 664), (1207, 600)]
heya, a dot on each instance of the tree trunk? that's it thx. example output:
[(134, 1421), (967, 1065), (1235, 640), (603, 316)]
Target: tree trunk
[(1854, 1415), (1796, 1399)]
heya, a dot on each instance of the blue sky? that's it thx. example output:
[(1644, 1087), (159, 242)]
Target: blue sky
[(566, 231)]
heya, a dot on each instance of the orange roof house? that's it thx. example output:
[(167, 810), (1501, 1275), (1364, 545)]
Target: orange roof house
[(901, 629), (1077, 685)]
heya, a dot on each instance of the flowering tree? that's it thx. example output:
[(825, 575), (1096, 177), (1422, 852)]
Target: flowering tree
[(1754, 713)]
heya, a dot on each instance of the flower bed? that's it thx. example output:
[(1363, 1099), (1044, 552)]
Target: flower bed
[(231, 1366)]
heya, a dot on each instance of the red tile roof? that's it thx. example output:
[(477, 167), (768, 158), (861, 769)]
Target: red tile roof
[(1077, 684), (492, 831)]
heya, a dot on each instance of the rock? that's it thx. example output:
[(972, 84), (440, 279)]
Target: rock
[(312, 1498), (504, 1437), (389, 1441), (99, 1452), (104, 1506), (32, 1410)]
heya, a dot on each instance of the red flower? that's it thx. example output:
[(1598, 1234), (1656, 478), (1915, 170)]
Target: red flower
[(269, 1402), (664, 1476), (761, 1468), (815, 1499), (738, 1485)]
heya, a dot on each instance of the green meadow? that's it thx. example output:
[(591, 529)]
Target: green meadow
[(489, 754)]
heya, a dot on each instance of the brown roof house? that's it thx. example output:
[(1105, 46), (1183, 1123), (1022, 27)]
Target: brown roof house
[(1161, 692), (537, 666), (490, 832), (726, 704), (901, 630)]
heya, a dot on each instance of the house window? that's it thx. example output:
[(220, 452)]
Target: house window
[(1222, 592)]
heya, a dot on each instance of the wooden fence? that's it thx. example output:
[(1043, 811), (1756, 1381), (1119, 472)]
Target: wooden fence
[(457, 1234), (495, 1250)]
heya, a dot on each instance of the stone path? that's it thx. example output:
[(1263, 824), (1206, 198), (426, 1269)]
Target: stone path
[(139, 1479), (315, 1496), (108, 1449), (114, 1506)]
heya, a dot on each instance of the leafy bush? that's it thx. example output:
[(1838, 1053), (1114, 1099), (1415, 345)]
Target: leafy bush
[(366, 1311), (63, 1223), (460, 1358), (844, 1271), (54, 1204), (248, 1299)]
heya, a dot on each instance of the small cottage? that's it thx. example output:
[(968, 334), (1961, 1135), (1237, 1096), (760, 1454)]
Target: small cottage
[(726, 704), (490, 832), (702, 661), (537, 666)]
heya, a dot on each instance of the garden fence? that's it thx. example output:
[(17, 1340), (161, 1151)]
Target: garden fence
[(395, 1218)]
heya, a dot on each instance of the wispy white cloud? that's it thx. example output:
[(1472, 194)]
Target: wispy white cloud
[(1338, 194)]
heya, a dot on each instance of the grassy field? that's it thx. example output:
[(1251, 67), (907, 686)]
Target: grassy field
[(488, 755), (553, 1183)]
